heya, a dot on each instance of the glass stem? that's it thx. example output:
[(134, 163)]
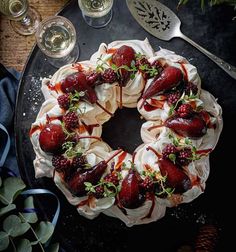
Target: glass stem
[(26, 21)]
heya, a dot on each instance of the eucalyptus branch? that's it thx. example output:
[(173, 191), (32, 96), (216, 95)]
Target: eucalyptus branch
[(31, 228)]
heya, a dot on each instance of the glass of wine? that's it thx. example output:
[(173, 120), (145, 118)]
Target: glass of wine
[(96, 13), (24, 18), (56, 37)]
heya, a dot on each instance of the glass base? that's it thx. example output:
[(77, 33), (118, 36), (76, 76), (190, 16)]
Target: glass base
[(29, 24), (98, 22), (71, 58)]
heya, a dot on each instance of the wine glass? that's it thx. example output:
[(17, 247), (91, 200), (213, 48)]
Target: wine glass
[(96, 13), (24, 18), (56, 38)]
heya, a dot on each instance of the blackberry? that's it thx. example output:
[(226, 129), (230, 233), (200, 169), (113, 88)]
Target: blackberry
[(112, 178), (71, 120), (79, 162), (99, 190), (184, 156), (94, 79), (190, 87), (172, 98), (147, 184), (64, 101), (142, 62), (185, 110), (157, 64), (143, 65), (169, 149), (109, 76), (60, 163)]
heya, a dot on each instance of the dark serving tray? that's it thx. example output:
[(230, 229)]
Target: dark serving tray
[(214, 29)]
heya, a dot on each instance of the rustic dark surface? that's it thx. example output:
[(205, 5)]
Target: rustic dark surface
[(215, 30)]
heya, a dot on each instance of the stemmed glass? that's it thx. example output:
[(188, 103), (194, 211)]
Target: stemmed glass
[(24, 18), (96, 13), (56, 38)]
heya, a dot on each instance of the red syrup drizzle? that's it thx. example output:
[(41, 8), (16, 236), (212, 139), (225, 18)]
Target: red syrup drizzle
[(78, 67), (111, 50), (204, 152), (34, 129), (89, 128), (150, 196), (121, 101), (53, 118), (83, 203), (185, 71), (206, 117), (41, 126), (154, 104), (56, 87), (121, 158), (196, 181)]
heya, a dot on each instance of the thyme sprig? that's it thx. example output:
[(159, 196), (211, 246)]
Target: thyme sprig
[(182, 100), (110, 190), (74, 100), (185, 143), (157, 178), (72, 150)]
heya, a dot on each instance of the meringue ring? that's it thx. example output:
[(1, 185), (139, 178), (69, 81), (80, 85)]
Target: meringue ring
[(133, 187)]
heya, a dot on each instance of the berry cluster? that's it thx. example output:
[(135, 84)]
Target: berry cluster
[(68, 166), (71, 120), (183, 156), (185, 110)]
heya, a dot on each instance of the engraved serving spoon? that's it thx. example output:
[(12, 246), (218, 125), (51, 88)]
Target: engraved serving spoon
[(162, 23)]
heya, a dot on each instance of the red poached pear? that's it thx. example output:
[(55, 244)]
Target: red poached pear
[(74, 82), (92, 175), (129, 195), (169, 78), (176, 178), (51, 138), (193, 126), (123, 57)]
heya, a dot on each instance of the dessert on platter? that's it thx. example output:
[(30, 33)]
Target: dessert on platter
[(182, 127)]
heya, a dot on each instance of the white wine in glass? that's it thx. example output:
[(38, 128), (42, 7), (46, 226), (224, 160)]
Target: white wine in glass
[(96, 13), (24, 18), (56, 37)]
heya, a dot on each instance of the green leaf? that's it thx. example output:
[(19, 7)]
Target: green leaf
[(30, 217), (0, 181), (88, 184), (53, 248), (14, 226), (23, 245), (4, 240), (44, 231), (11, 188), (7, 209), (172, 157)]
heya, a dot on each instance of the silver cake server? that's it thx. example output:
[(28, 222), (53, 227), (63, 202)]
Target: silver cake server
[(163, 23)]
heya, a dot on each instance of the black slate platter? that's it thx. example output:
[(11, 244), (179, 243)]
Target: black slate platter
[(214, 29)]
